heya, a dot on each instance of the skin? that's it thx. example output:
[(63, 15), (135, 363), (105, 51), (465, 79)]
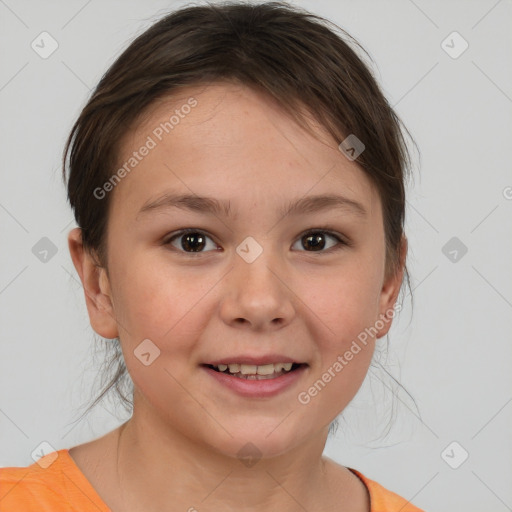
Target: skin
[(179, 449)]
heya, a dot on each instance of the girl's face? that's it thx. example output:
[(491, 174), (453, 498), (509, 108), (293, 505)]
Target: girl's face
[(247, 285)]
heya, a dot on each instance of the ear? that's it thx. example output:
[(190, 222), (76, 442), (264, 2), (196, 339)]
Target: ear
[(96, 285), (389, 293)]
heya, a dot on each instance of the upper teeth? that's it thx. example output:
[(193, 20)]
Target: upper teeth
[(252, 369)]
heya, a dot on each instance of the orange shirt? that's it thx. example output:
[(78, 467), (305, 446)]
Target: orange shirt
[(55, 484)]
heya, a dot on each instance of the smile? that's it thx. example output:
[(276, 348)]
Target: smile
[(255, 372)]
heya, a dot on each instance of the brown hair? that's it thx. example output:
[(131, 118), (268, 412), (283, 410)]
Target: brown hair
[(300, 59)]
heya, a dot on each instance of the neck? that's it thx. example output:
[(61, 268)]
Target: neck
[(160, 469)]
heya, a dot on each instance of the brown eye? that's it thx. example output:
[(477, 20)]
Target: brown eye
[(194, 241), (316, 241), (190, 241)]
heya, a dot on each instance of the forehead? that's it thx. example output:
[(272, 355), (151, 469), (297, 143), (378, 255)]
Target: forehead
[(226, 140)]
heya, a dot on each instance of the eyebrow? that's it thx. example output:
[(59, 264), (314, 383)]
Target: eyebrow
[(212, 206)]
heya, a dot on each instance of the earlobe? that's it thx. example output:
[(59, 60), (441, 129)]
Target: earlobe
[(96, 287), (390, 291)]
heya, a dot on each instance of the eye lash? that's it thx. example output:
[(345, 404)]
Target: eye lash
[(181, 232), (184, 231), (343, 241)]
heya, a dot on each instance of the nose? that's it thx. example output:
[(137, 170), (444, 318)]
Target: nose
[(257, 295)]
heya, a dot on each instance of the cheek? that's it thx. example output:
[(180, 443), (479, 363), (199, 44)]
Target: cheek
[(345, 310), (345, 302), (155, 298), (157, 303), (345, 343)]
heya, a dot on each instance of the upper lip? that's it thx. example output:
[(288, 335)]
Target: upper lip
[(254, 360)]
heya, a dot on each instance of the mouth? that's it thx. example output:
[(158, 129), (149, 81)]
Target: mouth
[(256, 377), (256, 372)]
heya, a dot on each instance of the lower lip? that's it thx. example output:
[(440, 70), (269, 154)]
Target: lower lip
[(257, 388)]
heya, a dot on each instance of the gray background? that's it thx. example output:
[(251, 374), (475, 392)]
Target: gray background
[(452, 353)]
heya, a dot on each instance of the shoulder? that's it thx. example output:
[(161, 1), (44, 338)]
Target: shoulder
[(384, 500), (26, 488), (50, 483)]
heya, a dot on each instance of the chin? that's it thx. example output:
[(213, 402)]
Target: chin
[(264, 439)]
